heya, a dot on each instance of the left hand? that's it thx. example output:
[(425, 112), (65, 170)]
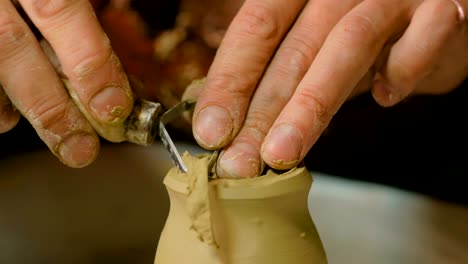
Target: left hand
[(91, 94), (284, 68)]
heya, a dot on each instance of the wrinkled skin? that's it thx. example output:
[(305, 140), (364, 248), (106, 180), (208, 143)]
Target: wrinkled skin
[(99, 97), (59, 83), (284, 68)]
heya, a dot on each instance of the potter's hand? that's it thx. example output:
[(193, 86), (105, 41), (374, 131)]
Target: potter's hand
[(285, 67), (32, 86)]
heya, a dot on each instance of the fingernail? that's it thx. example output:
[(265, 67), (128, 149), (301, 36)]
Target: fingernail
[(241, 160), (79, 150), (213, 127), (283, 147), (111, 103), (382, 94), (460, 11)]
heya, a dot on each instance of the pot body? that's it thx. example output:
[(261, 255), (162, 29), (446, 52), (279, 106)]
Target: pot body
[(253, 221)]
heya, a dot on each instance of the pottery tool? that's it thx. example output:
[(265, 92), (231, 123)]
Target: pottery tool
[(148, 120)]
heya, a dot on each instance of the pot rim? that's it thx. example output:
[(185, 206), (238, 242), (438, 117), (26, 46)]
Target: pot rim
[(268, 185)]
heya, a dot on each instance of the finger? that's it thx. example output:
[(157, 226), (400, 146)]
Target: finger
[(347, 54), (192, 93), (97, 81), (242, 158), (242, 57), (416, 55), (32, 85), (9, 117)]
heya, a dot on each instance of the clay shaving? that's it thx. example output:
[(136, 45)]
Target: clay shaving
[(198, 201)]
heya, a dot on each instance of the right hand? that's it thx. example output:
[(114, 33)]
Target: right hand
[(99, 97), (284, 69)]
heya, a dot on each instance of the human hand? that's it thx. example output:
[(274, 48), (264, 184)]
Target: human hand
[(99, 97), (284, 68)]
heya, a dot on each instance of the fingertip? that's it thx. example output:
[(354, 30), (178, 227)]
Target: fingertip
[(107, 110), (213, 127), (9, 116), (8, 119), (382, 94), (111, 104), (238, 161), (79, 149), (282, 148), (461, 16), (386, 94)]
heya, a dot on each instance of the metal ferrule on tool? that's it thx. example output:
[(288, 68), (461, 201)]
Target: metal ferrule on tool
[(148, 120)]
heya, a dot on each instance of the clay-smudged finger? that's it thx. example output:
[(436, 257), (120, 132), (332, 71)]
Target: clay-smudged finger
[(97, 81), (416, 54), (344, 59), (191, 93), (9, 117), (242, 159), (242, 57), (36, 91)]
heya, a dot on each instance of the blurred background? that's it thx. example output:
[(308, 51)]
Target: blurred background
[(392, 179)]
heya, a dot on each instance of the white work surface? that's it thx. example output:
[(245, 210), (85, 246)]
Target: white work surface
[(113, 211)]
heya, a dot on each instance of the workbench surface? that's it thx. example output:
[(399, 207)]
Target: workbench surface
[(113, 211)]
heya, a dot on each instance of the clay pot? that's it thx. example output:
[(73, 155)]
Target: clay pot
[(238, 221)]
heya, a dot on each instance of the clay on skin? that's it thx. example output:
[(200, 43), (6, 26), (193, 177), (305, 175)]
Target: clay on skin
[(263, 220), (112, 129)]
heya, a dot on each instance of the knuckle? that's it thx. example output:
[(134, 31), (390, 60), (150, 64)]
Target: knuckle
[(12, 32), (281, 85), (230, 84), (315, 105), (407, 73), (260, 21), (298, 53), (50, 8), (94, 60), (358, 27), (47, 112), (257, 124), (283, 88)]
